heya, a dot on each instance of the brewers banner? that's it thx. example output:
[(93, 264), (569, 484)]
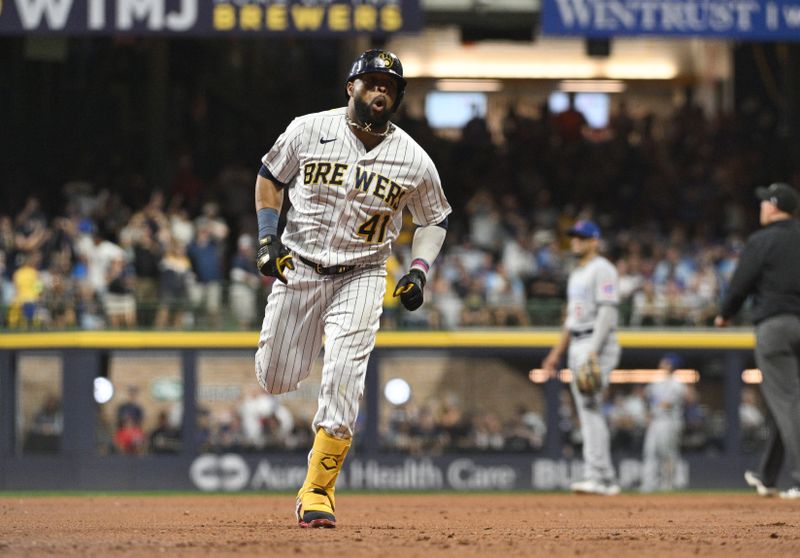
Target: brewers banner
[(759, 20), (209, 17)]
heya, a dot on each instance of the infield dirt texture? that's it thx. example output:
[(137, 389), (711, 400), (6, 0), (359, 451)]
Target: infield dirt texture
[(390, 525)]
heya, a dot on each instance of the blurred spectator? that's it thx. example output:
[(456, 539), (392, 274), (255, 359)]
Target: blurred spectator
[(24, 310), (752, 422), (98, 252), (487, 432), (44, 435), (206, 257), (119, 299), (129, 438), (59, 302), (89, 310), (695, 419), (427, 437), (506, 298), (130, 408), (568, 425), (30, 227), (447, 305), (211, 220), (229, 434), (627, 420), (181, 228), (164, 438), (649, 307), (245, 282), (265, 421), (173, 287), (525, 432), (475, 311), (569, 123), (147, 255)]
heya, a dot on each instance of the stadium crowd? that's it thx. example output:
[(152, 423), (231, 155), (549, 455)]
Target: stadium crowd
[(672, 195)]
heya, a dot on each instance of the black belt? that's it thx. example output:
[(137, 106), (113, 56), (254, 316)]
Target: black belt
[(581, 334), (330, 270)]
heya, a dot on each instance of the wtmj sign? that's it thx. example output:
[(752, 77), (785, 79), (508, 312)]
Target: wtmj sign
[(764, 20), (209, 17)]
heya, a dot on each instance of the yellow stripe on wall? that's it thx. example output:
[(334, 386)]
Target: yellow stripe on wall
[(663, 339)]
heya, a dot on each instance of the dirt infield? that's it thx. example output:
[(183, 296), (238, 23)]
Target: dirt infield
[(390, 525)]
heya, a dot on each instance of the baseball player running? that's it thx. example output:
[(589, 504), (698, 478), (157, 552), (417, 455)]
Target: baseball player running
[(662, 441), (349, 173), (588, 332)]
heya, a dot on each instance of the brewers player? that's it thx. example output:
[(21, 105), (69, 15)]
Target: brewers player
[(349, 173), (662, 441), (588, 332)]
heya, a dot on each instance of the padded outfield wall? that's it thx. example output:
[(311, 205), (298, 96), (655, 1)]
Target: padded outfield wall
[(484, 371)]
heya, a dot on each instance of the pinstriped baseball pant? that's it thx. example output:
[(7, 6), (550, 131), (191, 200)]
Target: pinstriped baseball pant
[(346, 310)]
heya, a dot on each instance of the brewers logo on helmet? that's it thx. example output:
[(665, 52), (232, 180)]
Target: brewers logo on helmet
[(383, 61)]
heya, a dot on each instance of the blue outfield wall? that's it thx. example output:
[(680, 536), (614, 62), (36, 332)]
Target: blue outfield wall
[(78, 467), (285, 473)]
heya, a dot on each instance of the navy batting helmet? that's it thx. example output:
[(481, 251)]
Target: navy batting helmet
[(379, 60)]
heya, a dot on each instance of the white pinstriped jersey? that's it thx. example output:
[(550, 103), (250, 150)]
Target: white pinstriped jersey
[(589, 286), (347, 202)]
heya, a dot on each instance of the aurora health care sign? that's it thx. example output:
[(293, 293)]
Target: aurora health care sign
[(757, 20)]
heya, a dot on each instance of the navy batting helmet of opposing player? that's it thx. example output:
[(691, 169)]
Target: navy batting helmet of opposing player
[(383, 61)]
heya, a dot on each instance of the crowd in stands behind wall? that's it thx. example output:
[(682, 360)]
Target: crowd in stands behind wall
[(673, 196)]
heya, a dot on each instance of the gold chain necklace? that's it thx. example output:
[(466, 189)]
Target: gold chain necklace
[(368, 127)]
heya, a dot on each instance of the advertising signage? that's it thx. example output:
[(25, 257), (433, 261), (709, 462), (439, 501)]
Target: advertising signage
[(757, 20), (209, 17)]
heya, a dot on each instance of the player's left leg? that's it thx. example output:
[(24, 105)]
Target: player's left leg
[(650, 462), (316, 503), (598, 466), (777, 355), (351, 322)]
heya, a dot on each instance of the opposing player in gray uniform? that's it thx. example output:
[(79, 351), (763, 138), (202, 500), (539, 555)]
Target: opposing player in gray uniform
[(349, 173), (589, 332), (662, 441)]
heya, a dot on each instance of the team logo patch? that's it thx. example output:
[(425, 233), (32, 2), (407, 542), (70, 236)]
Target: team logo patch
[(387, 59), (607, 288), (329, 463)]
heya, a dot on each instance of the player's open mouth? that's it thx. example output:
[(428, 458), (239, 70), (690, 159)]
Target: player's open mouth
[(379, 104)]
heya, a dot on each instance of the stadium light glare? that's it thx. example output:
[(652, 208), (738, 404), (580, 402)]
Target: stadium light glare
[(751, 376), (397, 391), (591, 86), (496, 66), (103, 390), (622, 376), (470, 85)]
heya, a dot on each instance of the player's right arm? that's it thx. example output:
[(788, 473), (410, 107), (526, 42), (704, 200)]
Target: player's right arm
[(272, 259), (552, 359), (269, 195)]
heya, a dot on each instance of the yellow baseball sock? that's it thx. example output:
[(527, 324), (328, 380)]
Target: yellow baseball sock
[(324, 463)]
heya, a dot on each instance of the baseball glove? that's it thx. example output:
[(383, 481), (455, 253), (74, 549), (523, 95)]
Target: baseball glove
[(409, 289), (273, 258), (588, 377)]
